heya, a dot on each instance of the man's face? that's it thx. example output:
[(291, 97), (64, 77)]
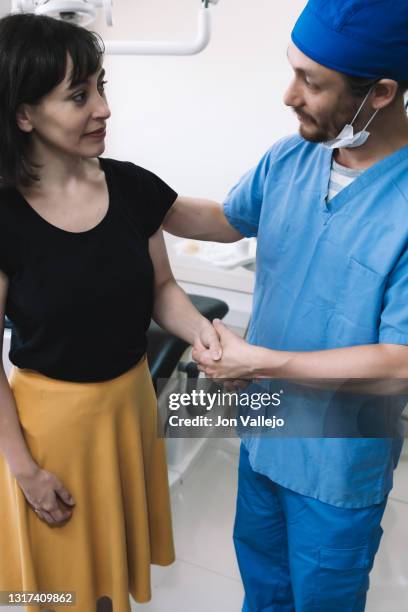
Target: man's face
[(319, 97)]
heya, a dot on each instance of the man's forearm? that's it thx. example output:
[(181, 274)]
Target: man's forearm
[(199, 219), (377, 361)]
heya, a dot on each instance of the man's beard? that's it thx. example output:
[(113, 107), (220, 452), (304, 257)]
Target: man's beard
[(317, 135), (312, 131)]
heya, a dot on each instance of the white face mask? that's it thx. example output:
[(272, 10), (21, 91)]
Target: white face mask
[(347, 138)]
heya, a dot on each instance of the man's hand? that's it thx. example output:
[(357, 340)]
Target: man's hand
[(235, 362)]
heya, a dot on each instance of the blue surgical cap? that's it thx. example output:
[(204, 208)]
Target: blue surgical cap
[(361, 38)]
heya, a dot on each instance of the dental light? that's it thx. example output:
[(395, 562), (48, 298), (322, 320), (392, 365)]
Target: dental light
[(84, 12)]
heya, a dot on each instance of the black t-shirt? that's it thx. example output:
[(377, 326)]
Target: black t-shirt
[(81, 303)]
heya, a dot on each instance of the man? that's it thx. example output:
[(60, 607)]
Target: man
[(330, 210)]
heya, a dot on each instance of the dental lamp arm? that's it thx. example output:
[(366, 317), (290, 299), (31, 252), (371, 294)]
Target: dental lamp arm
[(83, 12), (129, 47)]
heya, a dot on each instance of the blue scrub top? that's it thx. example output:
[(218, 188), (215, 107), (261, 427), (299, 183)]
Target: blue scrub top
[(329, 274)]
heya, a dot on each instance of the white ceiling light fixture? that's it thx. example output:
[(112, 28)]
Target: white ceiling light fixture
[(83, 12)]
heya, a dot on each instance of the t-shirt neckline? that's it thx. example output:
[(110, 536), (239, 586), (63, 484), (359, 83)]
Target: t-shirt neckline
[(95, 228)]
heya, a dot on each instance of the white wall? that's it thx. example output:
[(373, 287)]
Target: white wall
[(5, 6), (200, 121)]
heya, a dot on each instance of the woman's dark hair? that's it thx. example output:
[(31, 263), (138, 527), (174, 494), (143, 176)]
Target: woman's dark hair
[(360, 86), (33, 60)]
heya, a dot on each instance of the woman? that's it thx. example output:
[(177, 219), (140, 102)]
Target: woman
[(83, 266)]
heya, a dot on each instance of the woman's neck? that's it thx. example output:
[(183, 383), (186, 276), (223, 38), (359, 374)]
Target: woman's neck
[(58, 171)]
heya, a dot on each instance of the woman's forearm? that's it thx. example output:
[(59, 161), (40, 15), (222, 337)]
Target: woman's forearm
[(174, 312), (13, 446)]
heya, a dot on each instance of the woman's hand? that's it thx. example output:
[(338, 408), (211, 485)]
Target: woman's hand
[(47, 496), (207, 341), (236, 356)]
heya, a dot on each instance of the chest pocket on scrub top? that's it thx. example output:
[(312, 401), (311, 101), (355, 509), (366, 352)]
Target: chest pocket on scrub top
[(358, 305)]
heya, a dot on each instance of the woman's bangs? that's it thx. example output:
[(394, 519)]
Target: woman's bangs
[(86, 54)]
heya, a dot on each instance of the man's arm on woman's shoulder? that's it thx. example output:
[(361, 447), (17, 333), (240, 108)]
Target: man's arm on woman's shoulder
[(200, 219)]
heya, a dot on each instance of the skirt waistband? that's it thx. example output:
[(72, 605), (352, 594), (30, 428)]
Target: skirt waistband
[(38, 381)]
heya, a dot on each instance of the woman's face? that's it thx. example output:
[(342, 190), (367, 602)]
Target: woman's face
[(68, 120)]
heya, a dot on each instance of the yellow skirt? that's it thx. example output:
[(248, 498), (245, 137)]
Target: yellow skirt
[(100, 440)]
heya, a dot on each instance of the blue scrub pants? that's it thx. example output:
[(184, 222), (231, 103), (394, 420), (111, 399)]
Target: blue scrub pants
[(296, 553)]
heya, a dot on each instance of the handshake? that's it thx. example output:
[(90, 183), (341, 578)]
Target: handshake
[(221, 354)]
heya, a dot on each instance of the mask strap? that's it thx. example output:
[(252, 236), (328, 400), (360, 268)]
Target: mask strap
[(371, 119), (361, 106)]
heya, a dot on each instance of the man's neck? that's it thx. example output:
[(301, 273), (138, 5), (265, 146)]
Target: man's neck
[(387, 135)]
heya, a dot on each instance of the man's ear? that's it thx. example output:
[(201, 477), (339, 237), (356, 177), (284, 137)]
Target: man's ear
[(385, 92), (23, 118)]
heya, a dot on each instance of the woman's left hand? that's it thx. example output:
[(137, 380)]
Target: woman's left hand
[(236, 356)]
